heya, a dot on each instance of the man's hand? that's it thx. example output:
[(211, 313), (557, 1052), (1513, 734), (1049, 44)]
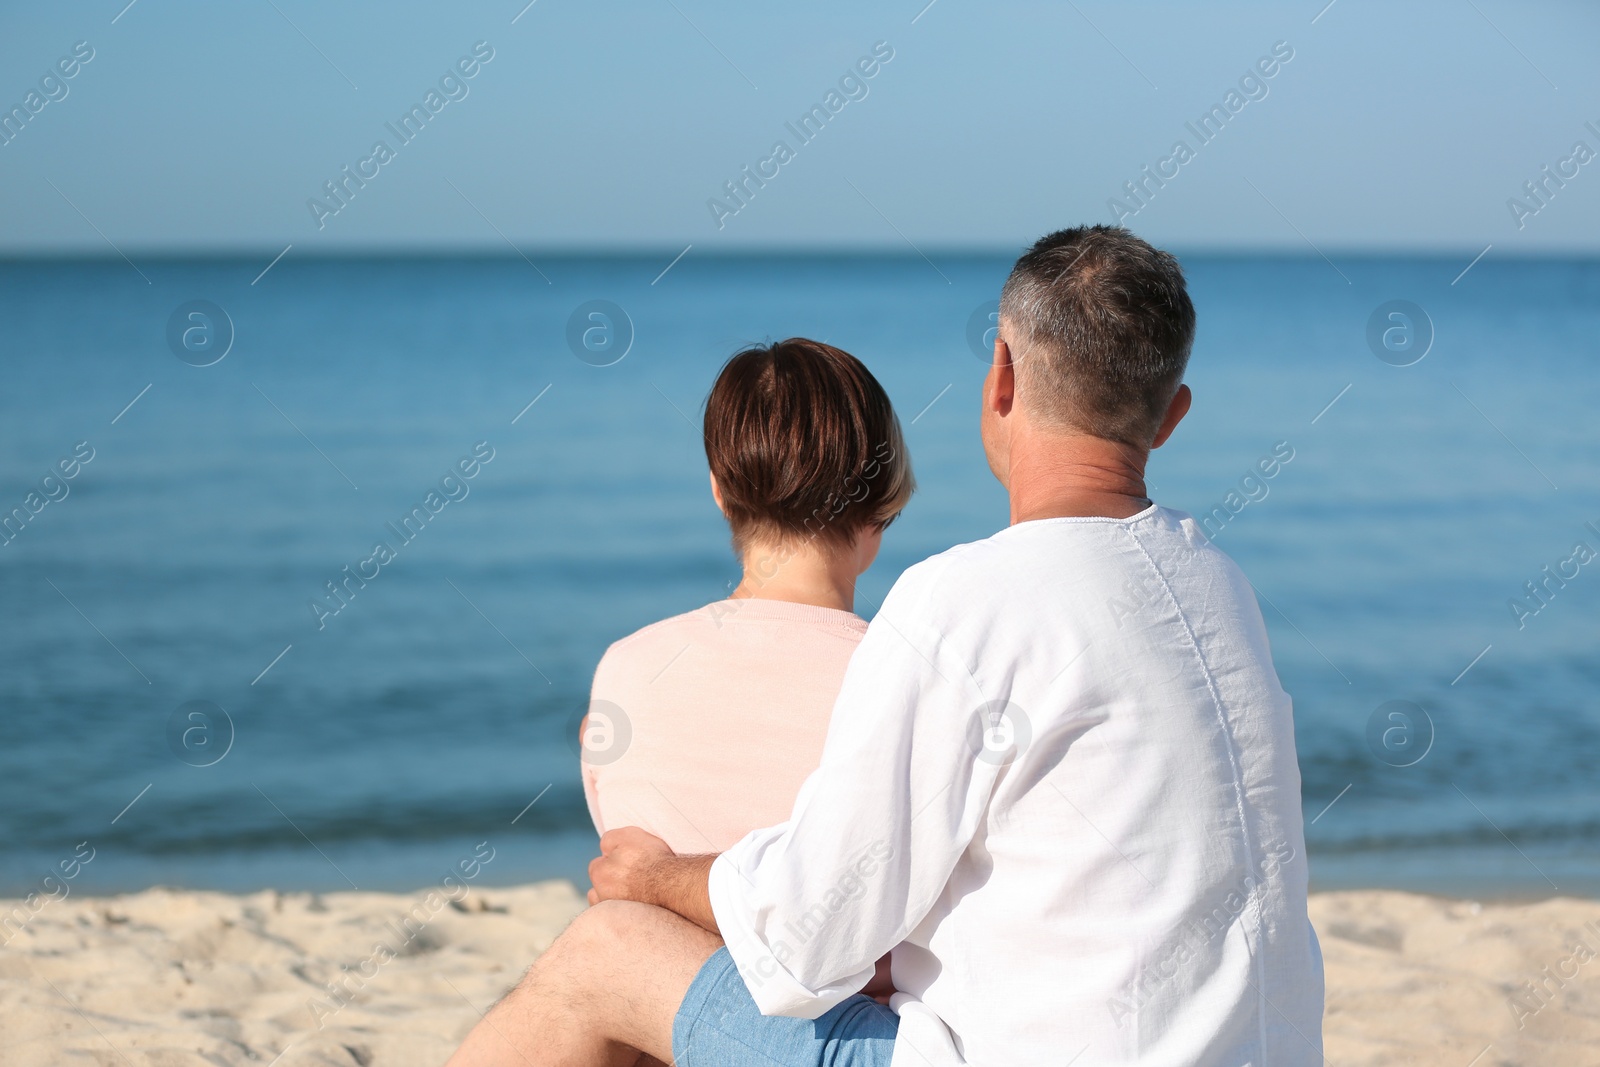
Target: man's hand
[(628, 866), (636, 865)]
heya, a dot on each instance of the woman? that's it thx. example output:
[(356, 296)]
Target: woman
[(702, 727)]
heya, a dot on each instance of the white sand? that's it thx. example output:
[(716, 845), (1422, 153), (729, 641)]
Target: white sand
[(167, 978), (170, 977), (1418, 980)]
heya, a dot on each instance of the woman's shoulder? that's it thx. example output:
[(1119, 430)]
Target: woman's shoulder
[(667, 629), (656, 630), (731, 621)]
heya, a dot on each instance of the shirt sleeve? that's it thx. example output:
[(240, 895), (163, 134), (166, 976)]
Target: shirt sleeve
[(808, 906), (587, 771), (591, 796)]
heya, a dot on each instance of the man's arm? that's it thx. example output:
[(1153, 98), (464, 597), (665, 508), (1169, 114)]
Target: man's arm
[(807, 908), (636, 865)]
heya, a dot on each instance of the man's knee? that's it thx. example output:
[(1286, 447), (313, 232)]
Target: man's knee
[(596, 942), (611, 925)]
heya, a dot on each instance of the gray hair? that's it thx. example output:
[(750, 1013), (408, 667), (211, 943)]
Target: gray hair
[(1100, 325)]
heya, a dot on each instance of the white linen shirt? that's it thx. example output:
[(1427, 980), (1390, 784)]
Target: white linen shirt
[(1060, 783)]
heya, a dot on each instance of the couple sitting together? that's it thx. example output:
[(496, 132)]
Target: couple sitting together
[(1043, 809)]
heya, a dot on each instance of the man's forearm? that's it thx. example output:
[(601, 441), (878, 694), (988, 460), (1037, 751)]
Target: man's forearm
[(682, 884)]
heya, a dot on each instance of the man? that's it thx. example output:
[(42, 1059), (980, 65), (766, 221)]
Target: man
[(1059, 781)]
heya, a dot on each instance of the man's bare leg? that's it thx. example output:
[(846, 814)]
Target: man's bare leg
[(608, 989)]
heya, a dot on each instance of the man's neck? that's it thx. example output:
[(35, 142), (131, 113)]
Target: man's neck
[(1060, 476), (807, 573)]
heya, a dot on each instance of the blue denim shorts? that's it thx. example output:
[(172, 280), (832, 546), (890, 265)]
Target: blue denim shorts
[(718, 1025)]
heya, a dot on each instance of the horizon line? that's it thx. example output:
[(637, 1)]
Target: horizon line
[(776, 251)]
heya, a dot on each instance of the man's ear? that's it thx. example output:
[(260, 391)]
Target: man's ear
[(1000, 388), (716, 494), (1175, 413)]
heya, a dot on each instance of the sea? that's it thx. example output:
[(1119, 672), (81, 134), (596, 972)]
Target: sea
[(199, 449)]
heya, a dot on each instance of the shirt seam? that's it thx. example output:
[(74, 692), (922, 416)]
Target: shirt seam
[(1233, 763)]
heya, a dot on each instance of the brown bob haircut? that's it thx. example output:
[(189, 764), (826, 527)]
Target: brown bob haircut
[(804, 445)]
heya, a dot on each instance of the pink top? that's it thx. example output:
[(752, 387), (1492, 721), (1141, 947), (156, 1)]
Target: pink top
[(702, 727)]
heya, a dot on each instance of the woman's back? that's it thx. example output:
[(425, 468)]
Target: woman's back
[(723, 713)]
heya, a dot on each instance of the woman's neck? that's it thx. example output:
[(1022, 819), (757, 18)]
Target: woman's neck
[(805, 573)]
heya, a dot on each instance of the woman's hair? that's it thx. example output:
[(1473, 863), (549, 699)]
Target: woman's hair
[(804, 445)]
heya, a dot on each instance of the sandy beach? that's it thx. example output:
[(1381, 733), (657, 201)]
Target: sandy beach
[(168, 977)]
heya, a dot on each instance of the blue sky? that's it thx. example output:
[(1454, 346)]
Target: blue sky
[(600, 125)]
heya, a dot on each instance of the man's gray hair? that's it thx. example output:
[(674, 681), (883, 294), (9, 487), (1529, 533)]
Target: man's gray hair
[(1099, 324)]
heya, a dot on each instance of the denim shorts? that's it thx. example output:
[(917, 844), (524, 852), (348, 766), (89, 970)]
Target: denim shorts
[(718, 1024)]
